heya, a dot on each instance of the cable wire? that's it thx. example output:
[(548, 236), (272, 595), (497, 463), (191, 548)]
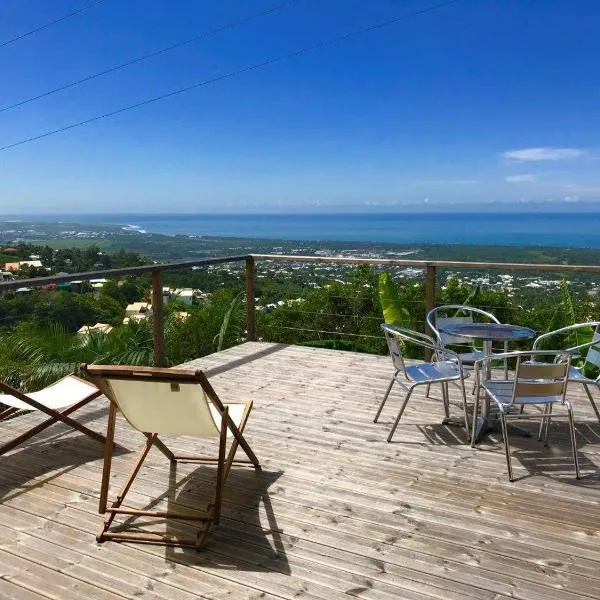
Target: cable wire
[(59, 20), (164, 50), (232, 74)]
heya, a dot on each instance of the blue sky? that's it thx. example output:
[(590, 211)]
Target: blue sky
[(478, 101)]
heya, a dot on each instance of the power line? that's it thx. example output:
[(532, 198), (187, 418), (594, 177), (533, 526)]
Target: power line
[(59, 20), (164, 50), (232, 74)]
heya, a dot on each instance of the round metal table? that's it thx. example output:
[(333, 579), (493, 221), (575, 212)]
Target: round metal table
[(489, 333)]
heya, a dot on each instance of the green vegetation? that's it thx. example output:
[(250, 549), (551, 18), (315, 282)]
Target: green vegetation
[(339, 308)]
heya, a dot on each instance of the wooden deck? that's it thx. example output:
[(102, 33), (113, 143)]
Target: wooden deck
[(335, 512)]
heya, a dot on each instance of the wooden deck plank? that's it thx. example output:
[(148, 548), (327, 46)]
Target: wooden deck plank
[(337, 511)]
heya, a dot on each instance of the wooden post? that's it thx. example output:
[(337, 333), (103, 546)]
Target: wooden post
[(250, 303), (158, 325), (429, 297), (430, 289)]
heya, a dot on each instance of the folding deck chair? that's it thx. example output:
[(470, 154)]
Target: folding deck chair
[(158, 401), (57, 400)]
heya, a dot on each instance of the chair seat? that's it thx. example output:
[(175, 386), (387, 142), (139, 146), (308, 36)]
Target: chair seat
[(575, 374), (469, 358), (431, 372), (65, 392), (236, 412), (501, 392)]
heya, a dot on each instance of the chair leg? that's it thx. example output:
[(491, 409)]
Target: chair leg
[(547, 425), (573, 442), (591, 399), (475, 411), (542, 422), (389, 439), (446, 399), (387, 393), (506, 446), (465, 409)]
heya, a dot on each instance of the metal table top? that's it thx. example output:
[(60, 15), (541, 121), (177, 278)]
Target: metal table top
[(497, 332)]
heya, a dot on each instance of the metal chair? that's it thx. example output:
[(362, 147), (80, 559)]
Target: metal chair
[(589, 351), (536, 383), (444, 367), (460, 313)]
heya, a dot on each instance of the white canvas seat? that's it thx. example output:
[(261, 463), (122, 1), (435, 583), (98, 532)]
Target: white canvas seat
[(57, 400), (171, 402)]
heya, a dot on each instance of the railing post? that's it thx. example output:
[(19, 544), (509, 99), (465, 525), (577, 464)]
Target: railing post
[(158, 325), (429, 299), (250, 303), (430, 289)]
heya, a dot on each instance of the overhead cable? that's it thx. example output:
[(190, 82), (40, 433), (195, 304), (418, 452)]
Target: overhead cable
[(144, 57), (51, 23), (232, 74)]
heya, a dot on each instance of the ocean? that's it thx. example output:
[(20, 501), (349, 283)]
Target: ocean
[(573, 229)]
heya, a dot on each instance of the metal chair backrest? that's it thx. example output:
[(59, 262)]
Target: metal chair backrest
[(540, 380), (455, 313), (593, 354), (396, 336), (590, 349)]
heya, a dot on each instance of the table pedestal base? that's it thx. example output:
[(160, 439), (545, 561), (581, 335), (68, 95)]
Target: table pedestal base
[(485, 426)]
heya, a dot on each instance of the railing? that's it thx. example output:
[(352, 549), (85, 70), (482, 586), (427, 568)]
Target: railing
[(430, 268), (155, 271)]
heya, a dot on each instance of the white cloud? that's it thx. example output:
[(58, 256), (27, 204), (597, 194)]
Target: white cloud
[(539, 154), (524, 177), (446, 181)]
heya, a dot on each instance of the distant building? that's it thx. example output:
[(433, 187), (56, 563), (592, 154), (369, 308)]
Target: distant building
[(136, 311), (186, 295), (100, 327), (15, 266)]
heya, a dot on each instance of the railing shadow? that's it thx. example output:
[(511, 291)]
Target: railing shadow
[(232, 364), (45, 462)]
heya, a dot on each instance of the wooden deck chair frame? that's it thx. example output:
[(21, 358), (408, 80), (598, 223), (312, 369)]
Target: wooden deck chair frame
[(101, 375), (60, 414)]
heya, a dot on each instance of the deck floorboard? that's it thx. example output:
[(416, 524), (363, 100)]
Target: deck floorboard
[(336, 511)]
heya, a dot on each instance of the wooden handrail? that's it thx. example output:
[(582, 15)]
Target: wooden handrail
[(429, 266), (141, 270), (423, 264)]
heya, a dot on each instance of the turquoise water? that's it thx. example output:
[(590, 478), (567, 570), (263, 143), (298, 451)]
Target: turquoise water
[(517, 229)]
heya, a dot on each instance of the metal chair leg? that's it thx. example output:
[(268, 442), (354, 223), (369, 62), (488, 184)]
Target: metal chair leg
[(591, 398), (427, 391), (387, 393), (465, 409), (446, 399), (389, 439), (547, 424), (542, 423), (573, 442), (475, 411), (506, 446)]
